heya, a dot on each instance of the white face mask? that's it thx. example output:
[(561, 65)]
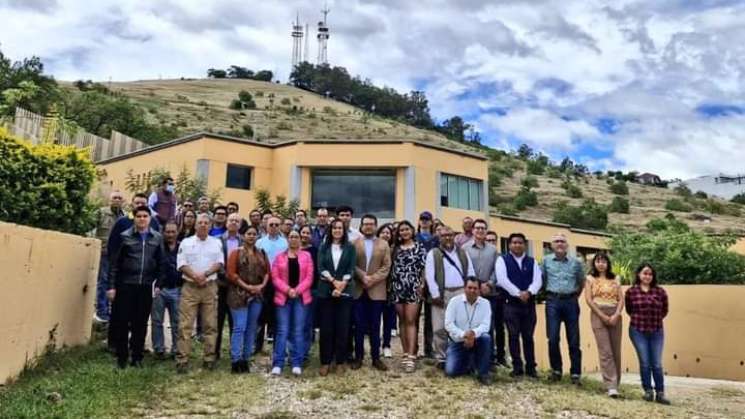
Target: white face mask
[(170, 188)]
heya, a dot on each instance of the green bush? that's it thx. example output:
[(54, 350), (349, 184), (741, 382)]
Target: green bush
[(721, 208), (553, 172), (535, 167), (589, 215), (680, 255), (619, 205), (285, 101), (700, 195), (573, 191), (507, 209), (529, 182), (525, 198), (683, 191), (738, 199), (248, 130), (46, 186), (677, 205), (619, 188)]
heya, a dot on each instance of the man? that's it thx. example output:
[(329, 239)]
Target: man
[(167, 294), (273, 243), (137, 263), (186, 205), (484, 257), (467, 234), (319, 230), (370, 294), (429, 238), (564, 278), (301, 219), (287, 225), (234, 208), (219, 222), (107, 216), (231, 240), (265, 216), (345, 214), (467, 321), (445, 270), (163, 201), (200, 258), (492, 238), (520, 277), (203, 206)]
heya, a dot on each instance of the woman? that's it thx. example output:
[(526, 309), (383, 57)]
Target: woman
[(311, 316), (425, 232), (188, 224), (292, 277), (336, 263), (385, 232), (248, 273), (406, 286), (646, 303), (604, 295)]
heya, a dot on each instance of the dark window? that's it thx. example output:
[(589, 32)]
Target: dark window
[(367, 191), (238, 177), (461, 192)]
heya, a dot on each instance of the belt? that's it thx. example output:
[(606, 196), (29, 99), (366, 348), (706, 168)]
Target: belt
[(558, 296)]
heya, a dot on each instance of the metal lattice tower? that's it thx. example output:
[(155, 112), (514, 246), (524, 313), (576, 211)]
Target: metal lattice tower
[(306, 57), (323, 38), (297, 43)]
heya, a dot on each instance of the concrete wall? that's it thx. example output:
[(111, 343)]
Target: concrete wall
[(49, 286), (704, 335)]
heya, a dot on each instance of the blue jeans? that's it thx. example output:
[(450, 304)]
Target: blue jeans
[(102, 303), (309, 328), (461, 360), (168, 299), (245, 324), (367, 315), (649, 350), (290, 325), (563, 310)]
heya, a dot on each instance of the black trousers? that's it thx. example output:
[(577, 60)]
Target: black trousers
[(132, 306), (335, 317), (428, 333), (521, 318), (497, 325), (223, 311)]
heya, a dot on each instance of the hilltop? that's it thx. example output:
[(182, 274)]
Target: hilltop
[(284, 112)]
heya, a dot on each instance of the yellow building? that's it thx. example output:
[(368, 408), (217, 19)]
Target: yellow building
[(393, 179)]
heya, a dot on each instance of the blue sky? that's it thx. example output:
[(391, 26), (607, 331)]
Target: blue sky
[(624, 85)]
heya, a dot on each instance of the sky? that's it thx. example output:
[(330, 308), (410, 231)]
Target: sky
[(616, 85)]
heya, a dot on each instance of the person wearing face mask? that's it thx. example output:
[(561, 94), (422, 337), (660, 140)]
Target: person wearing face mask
[(163, 201), (107, 216)]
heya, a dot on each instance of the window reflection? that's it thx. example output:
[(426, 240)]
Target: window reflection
[(367, 191)]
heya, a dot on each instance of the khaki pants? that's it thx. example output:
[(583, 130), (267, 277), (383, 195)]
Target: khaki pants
[(194, 298), (438, 324), (609, 347)]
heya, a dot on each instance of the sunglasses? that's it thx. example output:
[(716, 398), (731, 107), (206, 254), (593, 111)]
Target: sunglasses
[(273, 225)]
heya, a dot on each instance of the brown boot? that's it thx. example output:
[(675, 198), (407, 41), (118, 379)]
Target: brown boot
[(323, 371), (379, 365)]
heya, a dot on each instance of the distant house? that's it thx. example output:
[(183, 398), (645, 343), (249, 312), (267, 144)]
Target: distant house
[(649, 179)]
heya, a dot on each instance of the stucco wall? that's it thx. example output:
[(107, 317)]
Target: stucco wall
[(49, 284), (704, 334)]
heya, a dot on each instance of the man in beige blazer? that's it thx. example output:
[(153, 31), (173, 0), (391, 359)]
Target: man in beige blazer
[(373, 266)]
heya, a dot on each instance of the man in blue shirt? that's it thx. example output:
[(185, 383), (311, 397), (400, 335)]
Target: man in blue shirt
[(219, 223)]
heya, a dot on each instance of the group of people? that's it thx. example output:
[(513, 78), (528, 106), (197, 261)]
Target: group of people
[(281, 276)]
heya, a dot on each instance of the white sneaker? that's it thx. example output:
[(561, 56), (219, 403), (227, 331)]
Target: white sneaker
[(98, 319), (297, 371), (613, 393), (276, 371), (387, 353), (394, 332)]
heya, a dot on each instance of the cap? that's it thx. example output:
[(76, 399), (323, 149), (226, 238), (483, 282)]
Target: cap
[(425, 215)]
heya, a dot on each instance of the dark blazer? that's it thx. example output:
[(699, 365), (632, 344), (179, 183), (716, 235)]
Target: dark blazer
[(346, 267), (138, 262)]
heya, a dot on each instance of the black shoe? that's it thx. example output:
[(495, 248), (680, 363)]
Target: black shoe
[(121, 364), (485, 380), (182, 368), (235, 367), (516, 374), (555, 377), (245, 367), (356, 364), (660, 398), (136, 364), (648, 396), (208, 365), (576, 380), (160, 356), (440, 365), (532, 375)]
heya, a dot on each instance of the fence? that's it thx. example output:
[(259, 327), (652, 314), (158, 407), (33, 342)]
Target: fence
[(32, 127), (49, 284)]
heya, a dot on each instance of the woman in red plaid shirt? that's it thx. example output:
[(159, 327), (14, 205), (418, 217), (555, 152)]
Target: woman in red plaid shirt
[(646, 303)]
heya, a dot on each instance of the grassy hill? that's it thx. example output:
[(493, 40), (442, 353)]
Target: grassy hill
[(284, 112)]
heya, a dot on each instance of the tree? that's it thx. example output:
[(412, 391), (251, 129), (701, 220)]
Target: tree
[(215, 73), (619, 205), (739, 199), (524, 152), (25, 84), (590, 215), (264, 75), (454, 128), (279, 205), (680, 255), (238, 72)]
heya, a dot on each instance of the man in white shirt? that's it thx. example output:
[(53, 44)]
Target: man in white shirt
[(445, 271), (520, 276), (345, 213), (200, 258), (468, 321)]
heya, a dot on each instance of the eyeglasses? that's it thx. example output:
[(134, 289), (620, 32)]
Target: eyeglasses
[(273, 225), (491, 240), (220, 213), (188, 205)]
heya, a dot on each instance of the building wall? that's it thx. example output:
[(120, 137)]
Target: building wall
[(537, 233), (49, 287), (703, 335)]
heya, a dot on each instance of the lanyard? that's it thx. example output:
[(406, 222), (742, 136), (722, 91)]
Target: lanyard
[(470, 318)]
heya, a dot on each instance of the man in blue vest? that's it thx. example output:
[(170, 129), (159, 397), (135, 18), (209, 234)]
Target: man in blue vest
[(519, 275)]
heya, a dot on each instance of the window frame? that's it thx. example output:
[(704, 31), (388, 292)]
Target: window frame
[(250, 169), (460, 197)]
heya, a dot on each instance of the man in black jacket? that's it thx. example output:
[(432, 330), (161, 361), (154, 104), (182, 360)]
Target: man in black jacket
[(137, 264)]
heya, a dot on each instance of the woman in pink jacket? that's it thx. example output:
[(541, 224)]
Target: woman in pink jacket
[(292, 277)]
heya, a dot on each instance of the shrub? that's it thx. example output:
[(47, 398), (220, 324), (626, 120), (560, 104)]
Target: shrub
[(535, 167), (619, 188), (573, 191), (259, 94), (46, 186), (683, 190), (619, 205), (248, 131), (677, 205), (525, 198), (284, 126), (285, 101), (590, 215), (553, 172), (529, 182), (700, 195), (507, 209), (738, 199)]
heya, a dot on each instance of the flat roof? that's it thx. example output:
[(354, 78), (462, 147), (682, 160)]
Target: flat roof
[(223, 137), (550, 223)]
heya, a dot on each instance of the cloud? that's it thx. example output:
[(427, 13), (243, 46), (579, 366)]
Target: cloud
[(43, 6)]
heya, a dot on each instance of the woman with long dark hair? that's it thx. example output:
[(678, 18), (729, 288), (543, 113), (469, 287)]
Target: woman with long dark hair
[(604, 295), (406, 288), (188, 224), (337, 260), (646, 303)]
